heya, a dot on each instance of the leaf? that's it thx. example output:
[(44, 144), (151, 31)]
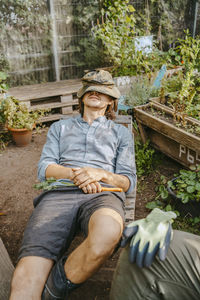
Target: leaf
[(151, 205), (131, 8), (164, 194), (198, 186), (196, 220), (191, 189), (168, 208), (3, 76), (184, 197), (170, 184), (128, 20)]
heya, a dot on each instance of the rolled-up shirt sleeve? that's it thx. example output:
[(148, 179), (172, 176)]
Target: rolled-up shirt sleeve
[(125, 160), (51, 152)]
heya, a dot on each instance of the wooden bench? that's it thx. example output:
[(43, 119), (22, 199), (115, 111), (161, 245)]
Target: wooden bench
[(126, 120)]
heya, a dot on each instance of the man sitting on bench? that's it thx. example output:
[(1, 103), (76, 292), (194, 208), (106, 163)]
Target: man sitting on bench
[(92, 152)]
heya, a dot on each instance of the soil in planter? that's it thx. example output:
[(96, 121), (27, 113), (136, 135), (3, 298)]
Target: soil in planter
[(191, 128)]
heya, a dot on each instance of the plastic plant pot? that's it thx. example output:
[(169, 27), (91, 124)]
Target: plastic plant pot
[(191, 208)]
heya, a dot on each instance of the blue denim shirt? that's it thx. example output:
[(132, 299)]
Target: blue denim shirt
[(103, 144)]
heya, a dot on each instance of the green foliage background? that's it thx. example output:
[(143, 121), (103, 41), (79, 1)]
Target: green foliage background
[(25, 27), (25, 34)]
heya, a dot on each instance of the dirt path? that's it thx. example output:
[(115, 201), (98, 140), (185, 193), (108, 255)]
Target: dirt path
[(18, 174)]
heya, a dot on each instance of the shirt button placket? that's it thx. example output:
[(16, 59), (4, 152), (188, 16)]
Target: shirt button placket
[(89, 140)]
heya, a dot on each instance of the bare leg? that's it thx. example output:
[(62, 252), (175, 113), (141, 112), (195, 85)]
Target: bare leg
[(105, 230), (29, 278)]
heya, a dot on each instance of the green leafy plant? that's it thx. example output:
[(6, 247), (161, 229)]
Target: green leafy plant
[(48, 184), (184, 100), (191, 225), (3, 90), (3, 84), (189, 51), (140, 92), (164, 201), (181, 91), (143, 157), (90, 50), (117, 31), (187, 185), (5, 139), (25, 29), (17, 115)]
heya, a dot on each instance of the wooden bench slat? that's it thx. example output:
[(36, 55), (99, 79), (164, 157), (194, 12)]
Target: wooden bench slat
[(49, 89), (53, 105)]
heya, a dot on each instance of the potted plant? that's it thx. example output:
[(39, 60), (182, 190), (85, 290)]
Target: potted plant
[(185, 190), (18, 119)]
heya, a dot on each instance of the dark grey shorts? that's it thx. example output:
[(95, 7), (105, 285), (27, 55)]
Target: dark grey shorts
[(58, 215)]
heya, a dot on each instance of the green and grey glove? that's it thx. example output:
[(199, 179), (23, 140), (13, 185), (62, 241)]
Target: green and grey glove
[(149, 237)]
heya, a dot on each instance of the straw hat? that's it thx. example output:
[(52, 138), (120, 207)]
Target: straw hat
[(99, 81)]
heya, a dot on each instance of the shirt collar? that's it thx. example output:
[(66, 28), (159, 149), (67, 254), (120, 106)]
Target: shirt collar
[(101, 119)]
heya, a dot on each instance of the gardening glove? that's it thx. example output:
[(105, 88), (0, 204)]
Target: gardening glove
[(148, 237)]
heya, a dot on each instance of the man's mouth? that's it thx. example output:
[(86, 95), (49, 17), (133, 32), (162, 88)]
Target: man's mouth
[(94, 97)]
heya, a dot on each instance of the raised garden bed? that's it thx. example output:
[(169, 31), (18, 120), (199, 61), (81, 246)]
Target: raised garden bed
[(156, 123)]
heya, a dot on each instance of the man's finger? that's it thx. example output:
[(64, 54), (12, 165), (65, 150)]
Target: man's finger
[(93, 187), (98, 186), (77, 171), (85, 183), (89, 189), (80, 179), (85, 190)]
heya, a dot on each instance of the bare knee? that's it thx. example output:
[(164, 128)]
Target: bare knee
[(104, 236)]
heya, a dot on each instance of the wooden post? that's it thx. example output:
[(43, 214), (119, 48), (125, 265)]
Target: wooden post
[(55, 41), (195, 19), (6, 270)]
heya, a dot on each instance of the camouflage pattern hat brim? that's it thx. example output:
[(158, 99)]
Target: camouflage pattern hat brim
[(99, 81), (110, 91)]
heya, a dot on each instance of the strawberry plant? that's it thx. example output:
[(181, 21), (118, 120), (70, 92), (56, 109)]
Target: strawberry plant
[(187, 185)]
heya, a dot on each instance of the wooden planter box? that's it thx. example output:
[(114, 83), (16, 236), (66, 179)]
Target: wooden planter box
[(155, 122)]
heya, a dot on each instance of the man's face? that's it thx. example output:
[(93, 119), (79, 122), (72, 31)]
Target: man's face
[(96, 100)]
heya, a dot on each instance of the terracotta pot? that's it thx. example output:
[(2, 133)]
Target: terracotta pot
[(22, 137)]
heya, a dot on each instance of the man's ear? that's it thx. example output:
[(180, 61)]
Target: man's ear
[(110, 106), (115, 105)]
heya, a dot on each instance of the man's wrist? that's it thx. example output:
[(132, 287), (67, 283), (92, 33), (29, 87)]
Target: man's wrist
[(59, 172), (69, 173), (105, 175)]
